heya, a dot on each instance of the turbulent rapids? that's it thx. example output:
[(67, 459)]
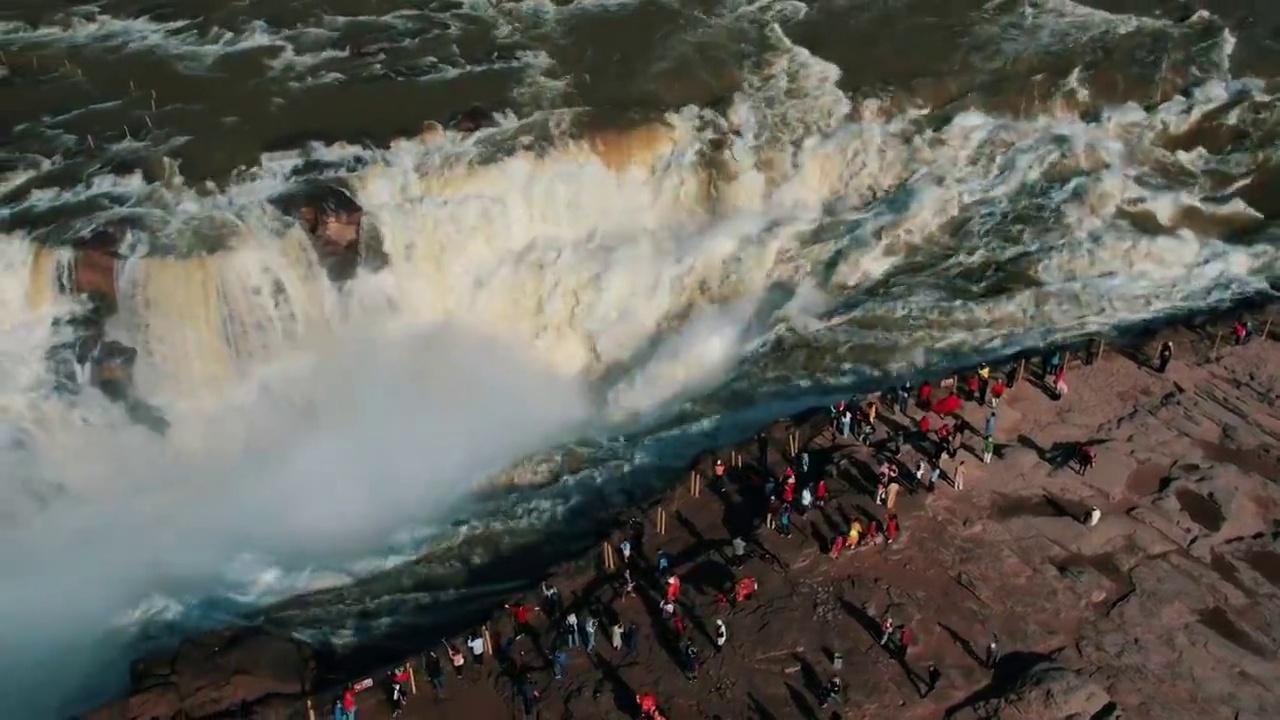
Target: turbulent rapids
[(222, 390)]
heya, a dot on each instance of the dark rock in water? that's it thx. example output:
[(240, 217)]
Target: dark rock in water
[(335, 222), (94, 270), (472, 119), (218, 674)]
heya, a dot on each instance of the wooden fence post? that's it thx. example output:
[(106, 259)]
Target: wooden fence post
[(793, 441), (608, 558), (662, 520), (695, 483), (1102, 343), (1213, 354), (488, 639), (311, 710), (1266, 330), (413, 683), (737, 459)]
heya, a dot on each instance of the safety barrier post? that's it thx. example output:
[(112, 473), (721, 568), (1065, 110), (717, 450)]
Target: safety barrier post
[(662, 520), (608, 556), (695, 483)]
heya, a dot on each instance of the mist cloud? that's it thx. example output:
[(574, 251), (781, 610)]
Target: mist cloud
[(318, 470)]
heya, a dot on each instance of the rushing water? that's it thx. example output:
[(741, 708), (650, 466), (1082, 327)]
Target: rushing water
[(687, 214)]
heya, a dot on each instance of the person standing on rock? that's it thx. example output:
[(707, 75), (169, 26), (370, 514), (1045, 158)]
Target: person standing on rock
[(988, 449), (456, 659), (904, 642), (475, 642), (993, 652), (890, 529), (550, 599), (997, 392), (558, 661), (935, 476), (904, 397), (718, 471), (571, 629), (924, 396), (722, 634), (349, 703), (520, 616), (989, 427), (1163, 356), (624, 548), (435, 671), (804, 463), (1092, 517), (664, 563), (958, 476), (891, 495), (984, 381), (886, 630), (784, 520), (820, 493), (589, 634), (932, 677), (806, 499), (846, 423), (615, 636)]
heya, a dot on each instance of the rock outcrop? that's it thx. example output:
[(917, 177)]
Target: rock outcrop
[(335, 222), (219, 674), (1046, 690), (472, 119)]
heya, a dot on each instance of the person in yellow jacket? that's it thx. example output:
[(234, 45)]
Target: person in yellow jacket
[(984, 381), (855, 534)]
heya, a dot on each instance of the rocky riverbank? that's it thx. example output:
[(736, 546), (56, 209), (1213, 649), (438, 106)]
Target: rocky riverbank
[(1168, 607)]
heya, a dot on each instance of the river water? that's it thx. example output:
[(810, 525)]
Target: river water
[(687, 218)]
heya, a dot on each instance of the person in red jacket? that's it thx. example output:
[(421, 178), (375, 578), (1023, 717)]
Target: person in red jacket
[(520, 616), (648, 704), (399, 690), (820, 493), (349, 703), (925, 424), (891, 528), (925, 394), (997, 392)]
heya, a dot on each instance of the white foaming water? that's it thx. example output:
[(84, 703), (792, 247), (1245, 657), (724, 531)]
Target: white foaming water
[(316, 427)]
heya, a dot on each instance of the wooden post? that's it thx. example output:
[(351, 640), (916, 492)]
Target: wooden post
[(413, 682), (1102, 343), (608, 558), (1022, 370), (662, 520), (1213, 354), (1266, 330), (695, 484), (311, 710), (768, 521), (793, 440), (737, 459), (488, 639)]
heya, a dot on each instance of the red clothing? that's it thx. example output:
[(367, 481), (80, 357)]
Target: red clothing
[(348, 700), (678, 622), (944, 432), (924, 423), (1061, 373), (891, 528), (973, 385), (521, 614), (998, 389), (926, 392), (401, 677), (820, 491), (906, 638), (648, 703), (788, 493), (746, 586), (837, 545)]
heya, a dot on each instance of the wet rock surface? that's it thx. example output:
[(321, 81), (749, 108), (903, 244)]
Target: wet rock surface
[(343, 239)]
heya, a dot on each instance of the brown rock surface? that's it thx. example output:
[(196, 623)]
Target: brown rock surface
[(221, 672), (1168, 608), (94, 274), (334, 221)]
